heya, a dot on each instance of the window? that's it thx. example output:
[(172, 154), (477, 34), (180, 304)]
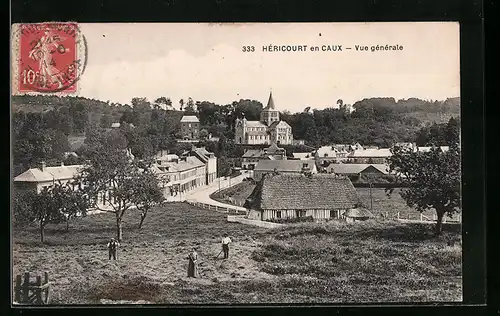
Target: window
[(333, 214), (189, 125), (278, 214), (300, 213), (305, 165)]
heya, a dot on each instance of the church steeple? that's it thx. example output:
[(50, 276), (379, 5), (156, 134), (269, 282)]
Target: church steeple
[(270, 102)]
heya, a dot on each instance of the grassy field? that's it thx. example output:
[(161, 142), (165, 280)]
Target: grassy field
[(382, 204), (331, 262)]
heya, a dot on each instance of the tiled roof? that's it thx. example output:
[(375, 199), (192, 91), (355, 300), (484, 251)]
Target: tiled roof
[(319, 191), (281, 165), (190, 118), (49, 174)]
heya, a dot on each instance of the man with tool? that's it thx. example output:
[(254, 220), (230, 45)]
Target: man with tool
[(225, 246), (112, 245)]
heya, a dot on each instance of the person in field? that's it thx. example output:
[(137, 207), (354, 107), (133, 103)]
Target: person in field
[(225, 245), (193, 264), (112, 247)]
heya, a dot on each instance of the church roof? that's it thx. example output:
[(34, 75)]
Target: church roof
[(255, 124), (270, 102)]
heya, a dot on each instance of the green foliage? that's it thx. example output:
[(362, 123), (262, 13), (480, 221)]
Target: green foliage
[(22, 207), (431, 179), (303, 219), (123, 183)]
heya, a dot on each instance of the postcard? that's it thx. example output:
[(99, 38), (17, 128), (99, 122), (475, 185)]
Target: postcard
[(236, 163)]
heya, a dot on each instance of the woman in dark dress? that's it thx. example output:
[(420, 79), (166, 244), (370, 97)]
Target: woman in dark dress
[(193, 264)]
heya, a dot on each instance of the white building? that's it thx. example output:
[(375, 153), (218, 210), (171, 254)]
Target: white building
[(268, 130)]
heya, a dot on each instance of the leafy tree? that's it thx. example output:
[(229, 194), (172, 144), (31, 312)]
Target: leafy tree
[(114, 178), (181, 104), (190, 109), (42, 207), (148, 193), (22, 206), (431, 179), (71, 200), (163, 103)]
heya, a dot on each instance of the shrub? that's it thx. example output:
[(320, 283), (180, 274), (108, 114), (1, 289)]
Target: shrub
[(292, 220)]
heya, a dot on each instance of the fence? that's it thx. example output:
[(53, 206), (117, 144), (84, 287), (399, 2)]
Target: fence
[(419, 217), (220, 209), (240, 219), (33, 293)]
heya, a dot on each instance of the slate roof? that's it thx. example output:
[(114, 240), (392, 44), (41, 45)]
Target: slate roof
[(270, 102), (303, 156), (190, 163), (255, 124), (355, 168), (372, 153), (189, 119), (253, 153), (274, 149), (49, 174), (319, 191), (281, 165)]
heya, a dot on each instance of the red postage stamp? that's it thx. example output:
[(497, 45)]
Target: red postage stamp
[(50, 57)]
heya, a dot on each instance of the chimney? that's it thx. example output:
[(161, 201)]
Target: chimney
[(42, 165)]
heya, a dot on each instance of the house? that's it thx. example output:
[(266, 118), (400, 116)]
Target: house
[(428, 148), (35, 179), (321, 196), (251, 157), (303, 156), (270, 129), (210, 161), (180, 175), (370, 156), (334, 153), (283, 166), (356, 169), (190, 127), (275, 152)]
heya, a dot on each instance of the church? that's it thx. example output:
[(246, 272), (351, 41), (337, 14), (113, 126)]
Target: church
[(269, 130)]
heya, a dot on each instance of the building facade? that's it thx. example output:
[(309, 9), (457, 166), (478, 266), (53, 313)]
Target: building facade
[(210, 161), (321, 196), (268, 130), (179, 176), (190, 127)]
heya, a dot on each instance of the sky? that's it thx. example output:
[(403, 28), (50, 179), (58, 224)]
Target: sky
[(206, 62)]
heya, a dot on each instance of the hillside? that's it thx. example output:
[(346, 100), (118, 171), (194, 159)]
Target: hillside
[(334, 262), (44, 127)]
